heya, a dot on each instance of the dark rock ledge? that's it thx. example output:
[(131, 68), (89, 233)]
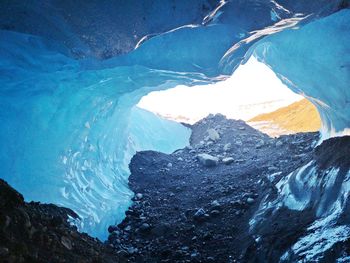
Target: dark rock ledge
[(34, 232)]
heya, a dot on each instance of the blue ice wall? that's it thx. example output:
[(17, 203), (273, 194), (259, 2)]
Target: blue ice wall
[(100, 28), (68, 127), (315, 61), (68, 135)]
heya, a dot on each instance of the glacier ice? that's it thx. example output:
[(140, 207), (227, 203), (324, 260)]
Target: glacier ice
[(325, 192), (100, 28), (68, 126), (69, 135), (318, 49), (330, 191)]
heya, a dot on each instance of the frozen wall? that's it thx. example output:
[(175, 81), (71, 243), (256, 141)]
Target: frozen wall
[(100, 28), (316, 64), (69, 135)]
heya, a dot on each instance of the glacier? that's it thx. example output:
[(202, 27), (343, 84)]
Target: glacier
[(68, 89), (63, 145), (320, 187), (297, 62)]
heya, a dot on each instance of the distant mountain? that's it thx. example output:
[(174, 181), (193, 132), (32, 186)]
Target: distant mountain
[(300, 116)]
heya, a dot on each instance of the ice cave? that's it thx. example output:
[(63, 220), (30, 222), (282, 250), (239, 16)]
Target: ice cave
[(72, 73)]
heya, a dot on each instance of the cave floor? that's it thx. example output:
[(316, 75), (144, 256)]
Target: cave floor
[(185, 211)]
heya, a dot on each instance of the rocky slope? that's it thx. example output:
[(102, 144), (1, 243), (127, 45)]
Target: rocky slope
[(34, 232), (195, 205), (300, 116)]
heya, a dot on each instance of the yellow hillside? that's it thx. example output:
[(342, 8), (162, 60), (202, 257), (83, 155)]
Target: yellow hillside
[(301, 116)]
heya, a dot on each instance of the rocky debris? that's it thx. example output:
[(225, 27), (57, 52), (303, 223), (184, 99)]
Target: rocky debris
[(200, 215), (139, 196), (207, 159), (196, 214), (227, 147), (250, 200), (4, 251), (228, 160), (215, 204), (334, 152), (34, 232), (213, 134), (279, 143), (145, 227), (214, 212), (66, 242), (111, 229), (260, 143), (238, 143)]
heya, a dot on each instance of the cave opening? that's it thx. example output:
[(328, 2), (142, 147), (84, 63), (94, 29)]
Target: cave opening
[(253, 94)]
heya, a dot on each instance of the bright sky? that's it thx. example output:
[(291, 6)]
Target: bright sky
[(253, 89)]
